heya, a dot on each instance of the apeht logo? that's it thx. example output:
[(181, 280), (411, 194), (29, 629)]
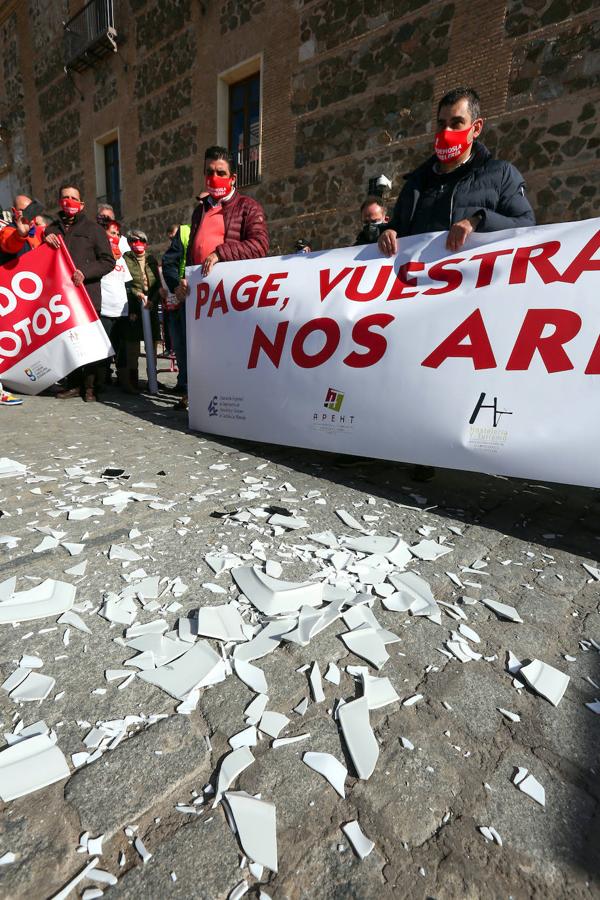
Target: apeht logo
[(333, 419), (213, 406), (496, 413), (31, 375), (333, 400)]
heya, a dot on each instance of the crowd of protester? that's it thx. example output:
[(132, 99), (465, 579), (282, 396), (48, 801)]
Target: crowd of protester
[(459, 189)]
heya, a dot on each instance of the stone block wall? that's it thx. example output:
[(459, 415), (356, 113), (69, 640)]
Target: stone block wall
[(349, 91)]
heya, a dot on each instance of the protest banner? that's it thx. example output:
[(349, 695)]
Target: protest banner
[(48, 327), (487, 359)]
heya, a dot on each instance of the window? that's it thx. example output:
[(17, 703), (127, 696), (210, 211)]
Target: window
[(112, 176), (239, 117), (108, 171)]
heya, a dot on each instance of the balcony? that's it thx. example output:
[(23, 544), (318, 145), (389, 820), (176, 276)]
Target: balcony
[(248, 165), (90, 35)]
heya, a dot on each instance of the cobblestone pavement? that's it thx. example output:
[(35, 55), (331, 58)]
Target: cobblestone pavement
[(422, 807)]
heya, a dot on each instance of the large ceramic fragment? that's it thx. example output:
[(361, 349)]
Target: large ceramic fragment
[(29, 766), (502, 610), (359, 737), (50, 598), (223, 623), (545, 680), (231, 767), (414, 595), (329, 767), (274, 597), (256, 824), (198, 667)]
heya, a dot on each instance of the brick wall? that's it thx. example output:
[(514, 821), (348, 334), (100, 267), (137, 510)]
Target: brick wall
[(349, 90)]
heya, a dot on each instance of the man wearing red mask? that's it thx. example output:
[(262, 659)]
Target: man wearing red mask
[(461, 188), (21, 235), (90, 250), (226, 226)]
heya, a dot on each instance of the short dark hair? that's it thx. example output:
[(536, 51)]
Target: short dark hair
[(69, 184), (463, 93), (216, 152), (372, 198)]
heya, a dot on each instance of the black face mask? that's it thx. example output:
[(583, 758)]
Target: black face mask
[(371, 232)]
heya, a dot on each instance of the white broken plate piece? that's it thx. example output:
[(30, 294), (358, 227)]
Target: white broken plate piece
[(361, 844), (545, 680), (529, 785), (329, 767), (359, 737), (256, 825)]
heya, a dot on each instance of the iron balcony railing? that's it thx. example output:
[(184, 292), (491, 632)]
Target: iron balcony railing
[(90, 35), (248, 165)]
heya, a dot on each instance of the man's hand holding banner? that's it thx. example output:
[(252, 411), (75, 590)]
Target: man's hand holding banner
[(48, 327), (487, 360)]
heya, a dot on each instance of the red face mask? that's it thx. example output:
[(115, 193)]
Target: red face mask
[(70, 207), (449, 145), (218, 186), (114, 239), (138, 247)]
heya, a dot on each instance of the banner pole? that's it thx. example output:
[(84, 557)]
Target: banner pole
[(149, 347)]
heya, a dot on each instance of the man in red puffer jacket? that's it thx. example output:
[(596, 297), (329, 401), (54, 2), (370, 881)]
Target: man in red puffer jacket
[(226, 226)]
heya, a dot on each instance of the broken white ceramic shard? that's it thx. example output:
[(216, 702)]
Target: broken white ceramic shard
[(592, 570), (7, 858), (410, 701), (283, 742), (301, 708), (273, 597), (366, 642), (163, 649), (490, 834), (329, 767), (502, 610), (265, 642), (256, 825), (231, 767), (69, 887), (34, 687), (141, 849), (246, 738), (291, 523), (361, 844), (71, 618), (378, 691), (50, 598), (29, 766), (316, 685), (594, 707), (121, 610), (393, 548), (414, 595), (332, 674), (545, 680), (429, 550), (273, 723), (7, 588), (511, 716), (73, 549), (198, 667), (78, 515), (349, 520), (48, 543), (408, 745), (255, 709), (223, 623), (359, 737), (251, 675), (469, 633), (119, 551), (77, 570), (513, 665), (529, 785), (10, 468), (239, 891)]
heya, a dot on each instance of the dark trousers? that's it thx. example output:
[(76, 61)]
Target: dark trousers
[(178, 336), (114, 327)]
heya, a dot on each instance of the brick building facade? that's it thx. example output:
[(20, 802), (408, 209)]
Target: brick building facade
[(347, 92)]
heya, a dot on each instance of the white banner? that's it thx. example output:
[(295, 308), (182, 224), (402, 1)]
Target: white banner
[(487, 359)]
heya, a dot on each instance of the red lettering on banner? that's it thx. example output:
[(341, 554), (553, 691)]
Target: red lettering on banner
[(353, 292), (31, 312), (218, 300), (567, 325), (486, 267), (527, 256), (403, 280), (452, 277), (272, 349), (583, 262), (479, 350), (330, 329), (327, 284), (375, 343), (271, 284), (250, 285), (202, 295), (593, 366)]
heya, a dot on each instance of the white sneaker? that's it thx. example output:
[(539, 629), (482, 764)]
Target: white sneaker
[(7, 399)]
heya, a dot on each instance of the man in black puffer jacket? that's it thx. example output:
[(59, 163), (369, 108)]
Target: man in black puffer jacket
[(461, 188)]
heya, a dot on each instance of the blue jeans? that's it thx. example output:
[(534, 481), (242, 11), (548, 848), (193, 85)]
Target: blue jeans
[(178, 336)]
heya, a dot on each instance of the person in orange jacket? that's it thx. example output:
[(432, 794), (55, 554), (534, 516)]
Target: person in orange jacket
[(19, 236)]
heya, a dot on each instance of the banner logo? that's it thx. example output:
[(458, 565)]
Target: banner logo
[(496, 414), (213, 406), (333, 400), (31, 375)]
